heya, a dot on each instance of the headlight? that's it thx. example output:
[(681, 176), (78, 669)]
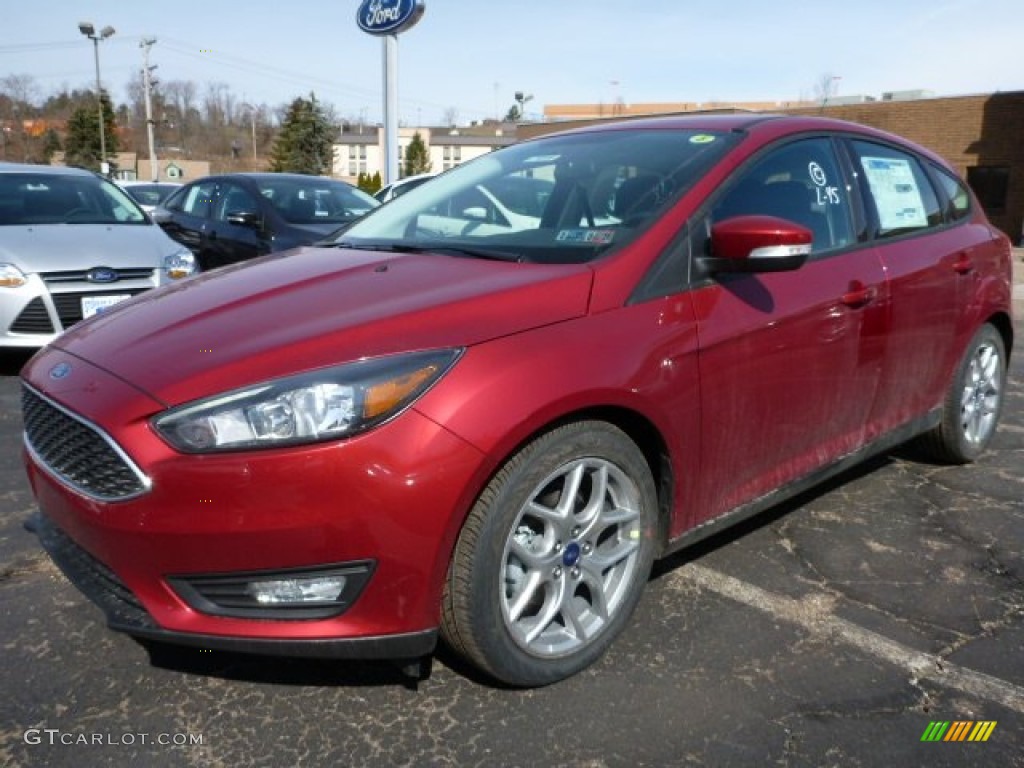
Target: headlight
[(180, 264), (327, 404), (11, 276)]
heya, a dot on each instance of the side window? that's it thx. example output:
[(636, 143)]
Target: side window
[(903, 197), (234, 199), (196, 200), (955, 191), (800, 182)]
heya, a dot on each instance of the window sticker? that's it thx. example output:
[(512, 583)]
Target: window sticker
[(897, 195), (586, 236), (702, 138), (827, 194)]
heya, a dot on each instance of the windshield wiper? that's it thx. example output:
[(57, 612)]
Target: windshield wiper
[(456, 250)]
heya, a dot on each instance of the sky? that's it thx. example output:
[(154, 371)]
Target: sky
[(470, 57)]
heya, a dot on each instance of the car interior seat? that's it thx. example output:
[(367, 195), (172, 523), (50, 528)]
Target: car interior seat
[(636, 197), (302, 209)]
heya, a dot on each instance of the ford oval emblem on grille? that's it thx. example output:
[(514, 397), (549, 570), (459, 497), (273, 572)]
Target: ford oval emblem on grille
[(102, 275), (60, 371)]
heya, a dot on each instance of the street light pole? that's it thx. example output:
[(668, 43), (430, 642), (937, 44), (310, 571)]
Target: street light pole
[(87, 29)]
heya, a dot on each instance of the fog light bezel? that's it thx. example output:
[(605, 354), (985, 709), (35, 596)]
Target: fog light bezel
[(227, 595)]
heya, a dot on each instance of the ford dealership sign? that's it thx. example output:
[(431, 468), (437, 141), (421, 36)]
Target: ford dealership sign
[(388, 17)]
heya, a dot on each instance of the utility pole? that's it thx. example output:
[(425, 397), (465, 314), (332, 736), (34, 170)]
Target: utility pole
[(316, 145), (145, 45)]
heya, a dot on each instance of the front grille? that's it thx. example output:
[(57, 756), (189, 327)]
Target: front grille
[(78, 453), (69, 305), (33, 319), (82, 275), (95, 580)]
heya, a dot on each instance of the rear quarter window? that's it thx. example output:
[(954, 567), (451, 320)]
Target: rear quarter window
[(955, 191)]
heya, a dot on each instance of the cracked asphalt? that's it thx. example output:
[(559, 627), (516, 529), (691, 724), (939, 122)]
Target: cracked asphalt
[(830, 631)]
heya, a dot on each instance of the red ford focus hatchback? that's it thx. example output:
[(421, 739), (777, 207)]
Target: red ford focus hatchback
[(483, 410)]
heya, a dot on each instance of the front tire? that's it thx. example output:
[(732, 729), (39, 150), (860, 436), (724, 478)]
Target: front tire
[(974, 401), (553, 556)]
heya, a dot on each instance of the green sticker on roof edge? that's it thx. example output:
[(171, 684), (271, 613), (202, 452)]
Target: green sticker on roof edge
[(389, 17)]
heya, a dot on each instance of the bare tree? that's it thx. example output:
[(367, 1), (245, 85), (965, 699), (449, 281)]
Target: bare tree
[(825, 87), (450, 116), (18, 96)]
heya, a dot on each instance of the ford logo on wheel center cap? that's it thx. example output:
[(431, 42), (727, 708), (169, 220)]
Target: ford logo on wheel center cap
[(102, 275)]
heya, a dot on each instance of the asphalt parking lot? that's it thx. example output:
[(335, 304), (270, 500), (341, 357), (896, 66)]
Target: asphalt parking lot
[(832, 631)]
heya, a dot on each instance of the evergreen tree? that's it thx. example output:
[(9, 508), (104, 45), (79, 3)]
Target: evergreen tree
[(82, 147), (51, 144), (416, 158), (305, 141)]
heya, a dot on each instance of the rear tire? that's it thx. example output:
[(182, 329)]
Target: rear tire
[(553, 557), (974, 402)]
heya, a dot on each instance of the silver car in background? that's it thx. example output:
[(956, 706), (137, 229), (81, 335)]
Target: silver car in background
[(73, 244)]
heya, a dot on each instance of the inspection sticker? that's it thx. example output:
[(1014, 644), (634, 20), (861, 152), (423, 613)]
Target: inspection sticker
[(589, 236), (702, 138)]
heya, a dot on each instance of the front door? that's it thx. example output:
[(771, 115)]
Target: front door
[(789, 361)]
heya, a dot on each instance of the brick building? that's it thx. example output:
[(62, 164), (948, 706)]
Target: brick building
[(982, 136)]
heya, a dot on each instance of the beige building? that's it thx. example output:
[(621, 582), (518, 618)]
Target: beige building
[(360, 149)]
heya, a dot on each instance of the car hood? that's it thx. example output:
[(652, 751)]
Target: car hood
[(63, 247), (315, 307)]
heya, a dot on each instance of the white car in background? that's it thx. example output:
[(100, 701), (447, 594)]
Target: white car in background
[(149, 194), (73, 244)]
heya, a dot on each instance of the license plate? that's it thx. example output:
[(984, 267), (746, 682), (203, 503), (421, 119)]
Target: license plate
[(93, 305)]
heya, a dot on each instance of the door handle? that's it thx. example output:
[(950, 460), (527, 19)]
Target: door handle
[(859, 294), (964, 264)]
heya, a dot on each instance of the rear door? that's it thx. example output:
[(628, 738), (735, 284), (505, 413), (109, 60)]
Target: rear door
[(927, 263), (789, 361)]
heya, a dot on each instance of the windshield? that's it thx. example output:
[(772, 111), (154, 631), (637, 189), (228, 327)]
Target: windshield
[(315, 200), (561, 199), (40, 198)]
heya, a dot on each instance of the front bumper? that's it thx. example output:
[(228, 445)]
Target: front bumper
[(125, 613), (48, 304), (393, 497)]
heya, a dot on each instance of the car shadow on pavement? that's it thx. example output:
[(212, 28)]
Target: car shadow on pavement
[(773, 514), (280, 670), (277, 670)]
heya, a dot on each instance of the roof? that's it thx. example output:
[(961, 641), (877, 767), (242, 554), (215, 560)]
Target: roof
[(50, 170)]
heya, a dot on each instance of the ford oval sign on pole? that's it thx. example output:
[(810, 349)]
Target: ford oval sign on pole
[(386, 19), (389, 17)]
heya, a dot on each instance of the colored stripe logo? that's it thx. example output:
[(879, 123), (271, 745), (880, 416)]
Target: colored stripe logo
[(958, 730)]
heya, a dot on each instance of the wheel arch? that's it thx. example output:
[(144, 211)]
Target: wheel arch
[(637, 427), (1004, 325)]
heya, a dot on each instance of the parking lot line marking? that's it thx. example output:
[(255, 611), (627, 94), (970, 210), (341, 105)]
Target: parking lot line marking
[(818, 620)]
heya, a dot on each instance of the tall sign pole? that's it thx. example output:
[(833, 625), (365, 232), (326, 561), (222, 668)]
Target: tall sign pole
[(387, 19), (390, 48), (147, 82)]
